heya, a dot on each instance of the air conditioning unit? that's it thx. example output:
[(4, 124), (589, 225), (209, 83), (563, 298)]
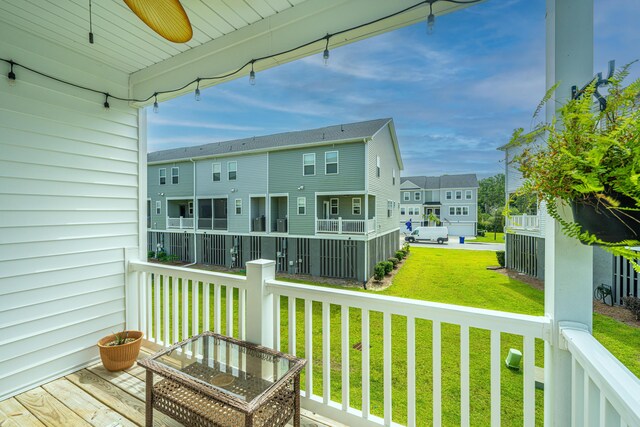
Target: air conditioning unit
[(259, 224), (281, 225)]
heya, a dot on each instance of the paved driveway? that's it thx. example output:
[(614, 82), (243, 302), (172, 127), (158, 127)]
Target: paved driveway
[(454, 243)]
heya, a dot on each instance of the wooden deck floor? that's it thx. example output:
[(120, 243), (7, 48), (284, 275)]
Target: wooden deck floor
[(94, 397)]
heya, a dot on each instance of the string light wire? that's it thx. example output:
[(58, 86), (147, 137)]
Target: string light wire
[(234, 72)]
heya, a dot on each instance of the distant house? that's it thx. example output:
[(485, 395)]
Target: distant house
[(453, 199), (322, 201)]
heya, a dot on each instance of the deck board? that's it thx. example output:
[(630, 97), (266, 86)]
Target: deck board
[(48, 409), (13, 414)]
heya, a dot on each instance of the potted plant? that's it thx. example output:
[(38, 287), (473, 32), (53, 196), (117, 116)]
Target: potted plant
[(120, 350), (587, 172)]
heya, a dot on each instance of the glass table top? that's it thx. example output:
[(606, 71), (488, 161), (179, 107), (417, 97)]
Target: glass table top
[(241, 371)]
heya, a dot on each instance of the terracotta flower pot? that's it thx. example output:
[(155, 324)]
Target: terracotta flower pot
[(120, 357)]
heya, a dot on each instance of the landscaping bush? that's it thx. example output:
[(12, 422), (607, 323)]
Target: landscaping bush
[(406, 248), (388, 266), (379, 271), (161, 256), (500, 256), (481, 233), (151, 254), (394, 261), (633, 304), (400, 255)]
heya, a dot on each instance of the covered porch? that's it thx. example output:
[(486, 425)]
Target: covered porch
[(86, 274), (345, 213)]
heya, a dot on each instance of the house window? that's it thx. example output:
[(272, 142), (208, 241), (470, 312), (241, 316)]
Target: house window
[(309, 164), (467, 194), (448, 195), (416, 195), (378, 166), (406, 196), (356, 206), (465, 210), (393, 177), (458, 194), (232, 169), (302, 205), (331, 162), (158, 207), (217, 171), (389, 208), (333, 207), (190, 208), (238, 206), (163, 176), (402, 211), (175, 172)]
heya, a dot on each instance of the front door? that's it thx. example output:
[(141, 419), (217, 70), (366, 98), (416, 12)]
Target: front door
[(326, 209)]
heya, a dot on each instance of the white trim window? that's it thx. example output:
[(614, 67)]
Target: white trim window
[(309, 164), (334, 207), (468, 194), (216, 172), (356, 206), (331, 163), (158, 207), (162, 176), (448, 195), (302, 205), (406, 196), (190, 208), (175, 175), (238, 206), (389, 208), (458, 210), (393, 177), (416, 196), (458, 194), (402, 211), (452, 210), (378, 166), (465, 210), (232, 170)]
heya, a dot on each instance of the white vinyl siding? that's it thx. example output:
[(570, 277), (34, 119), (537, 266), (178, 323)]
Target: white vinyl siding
[(162, 176), (175, 175), (216, 172), (232, 170), (69, 202), (309, 164), (302, 205), (331, 163), (238, 206), (356, 206)]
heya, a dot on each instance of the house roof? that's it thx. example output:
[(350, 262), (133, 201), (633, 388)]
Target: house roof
[(445, 181), (324, 135)]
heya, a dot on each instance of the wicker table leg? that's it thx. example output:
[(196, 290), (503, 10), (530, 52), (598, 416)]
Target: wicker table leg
[(296, 400), (149, 400)]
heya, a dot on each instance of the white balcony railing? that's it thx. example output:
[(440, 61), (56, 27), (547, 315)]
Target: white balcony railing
[(345, 226), (181, 222), (523, 222)]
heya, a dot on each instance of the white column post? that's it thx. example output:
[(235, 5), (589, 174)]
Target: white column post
[(260, 303), (568, 264), (339, 225), (131, 291)]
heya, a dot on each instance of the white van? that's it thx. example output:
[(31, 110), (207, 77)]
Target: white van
[(438, 234)]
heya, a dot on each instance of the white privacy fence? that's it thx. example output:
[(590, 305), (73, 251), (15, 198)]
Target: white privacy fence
[(381, 360)]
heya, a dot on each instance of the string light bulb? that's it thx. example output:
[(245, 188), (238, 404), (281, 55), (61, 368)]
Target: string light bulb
[(106, 102), (11, 76), (252, 76), (155, 103), (431, 19), (325, 54), (197, 92)]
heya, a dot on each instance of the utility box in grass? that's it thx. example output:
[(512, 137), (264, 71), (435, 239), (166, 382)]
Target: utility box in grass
[(513, 359)]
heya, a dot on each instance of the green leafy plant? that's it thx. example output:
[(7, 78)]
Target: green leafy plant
[(120, 338), (432, 218), (400, 254), (151, 254), (379, 271), (406, 247), (394, 261), (589, 157), (388, 266), (632, 304), (500, 256)]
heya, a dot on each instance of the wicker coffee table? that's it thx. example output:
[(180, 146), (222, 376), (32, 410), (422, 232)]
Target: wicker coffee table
[(216, 381)]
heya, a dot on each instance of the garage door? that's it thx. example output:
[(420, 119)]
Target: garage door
[(461, 229)]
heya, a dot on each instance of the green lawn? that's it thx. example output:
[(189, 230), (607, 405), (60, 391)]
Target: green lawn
[(448, 276), (490, 237)]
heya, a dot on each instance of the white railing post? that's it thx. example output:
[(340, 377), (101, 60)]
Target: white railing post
[(132, 294), (259, 311), (339, 225)]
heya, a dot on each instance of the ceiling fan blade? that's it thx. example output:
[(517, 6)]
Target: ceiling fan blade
[(165, 17)]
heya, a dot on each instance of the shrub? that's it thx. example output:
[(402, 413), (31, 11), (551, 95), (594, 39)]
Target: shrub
[(151, 254), (394, 261), (161, 256), (481, 233), (400, 255), (633, 304), (388, 266), (406, 248), (500, 256), (172, 258), (379, 271)]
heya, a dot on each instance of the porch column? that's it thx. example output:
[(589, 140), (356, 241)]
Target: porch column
[(260, 303), (568, 264)]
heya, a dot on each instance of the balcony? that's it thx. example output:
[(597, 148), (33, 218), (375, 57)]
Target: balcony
[(180, 223), (359, 384), (345, 226)]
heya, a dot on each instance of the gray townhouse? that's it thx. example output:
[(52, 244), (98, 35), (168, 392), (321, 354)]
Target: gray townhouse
[(453, 199), (323, 202)]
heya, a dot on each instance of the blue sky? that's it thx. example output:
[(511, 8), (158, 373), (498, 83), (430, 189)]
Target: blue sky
[(455, 95)]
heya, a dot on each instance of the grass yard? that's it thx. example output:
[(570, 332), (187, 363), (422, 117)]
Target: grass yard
[(490, 237), (448, 276)]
